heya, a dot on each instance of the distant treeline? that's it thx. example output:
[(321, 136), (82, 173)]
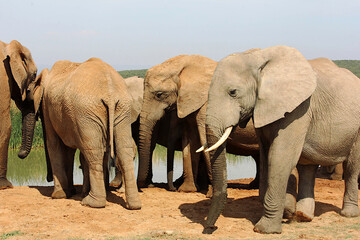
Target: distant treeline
[(15, 140), (352, 65), (130, 73)]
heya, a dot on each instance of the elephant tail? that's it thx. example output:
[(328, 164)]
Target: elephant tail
[(111, 112)]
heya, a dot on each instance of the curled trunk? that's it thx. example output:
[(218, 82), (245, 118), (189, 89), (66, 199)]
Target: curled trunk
[(28, 127), (219, 182), (145, 135)]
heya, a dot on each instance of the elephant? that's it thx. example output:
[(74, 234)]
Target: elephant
[(306, 113), (181, 83), (86, 106), (169, 130), (17, 71)]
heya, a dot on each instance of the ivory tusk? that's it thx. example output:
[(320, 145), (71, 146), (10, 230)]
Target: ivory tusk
[(221, 140), (202, 148)]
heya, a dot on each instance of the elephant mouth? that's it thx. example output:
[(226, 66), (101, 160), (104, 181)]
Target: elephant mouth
[(221, 140)]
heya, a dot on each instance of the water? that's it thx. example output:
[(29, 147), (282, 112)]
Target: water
[(32, 170)]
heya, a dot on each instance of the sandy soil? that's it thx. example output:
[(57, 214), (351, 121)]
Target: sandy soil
[(30, 213)]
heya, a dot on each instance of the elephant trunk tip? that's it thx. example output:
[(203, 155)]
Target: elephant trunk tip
[(209, 229), (23, 153)]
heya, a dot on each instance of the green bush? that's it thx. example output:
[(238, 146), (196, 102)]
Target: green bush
[(15, 138), (130, 73)]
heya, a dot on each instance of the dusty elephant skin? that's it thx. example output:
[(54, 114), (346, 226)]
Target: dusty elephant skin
[(305, 113), (181, 84), (17, 71), (86, 106)]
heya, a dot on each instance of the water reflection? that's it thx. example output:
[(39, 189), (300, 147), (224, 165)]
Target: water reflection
[(32, 170)]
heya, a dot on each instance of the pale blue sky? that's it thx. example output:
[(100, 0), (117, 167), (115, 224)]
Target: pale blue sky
[(142, 33)]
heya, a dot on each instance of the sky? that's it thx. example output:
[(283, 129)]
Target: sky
[(137, 34)]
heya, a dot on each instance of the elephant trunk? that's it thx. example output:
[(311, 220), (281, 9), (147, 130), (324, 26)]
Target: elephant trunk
[(28, 127), (145, 135), (219, 182)]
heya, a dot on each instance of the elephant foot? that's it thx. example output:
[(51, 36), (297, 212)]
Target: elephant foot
[(290, 206), (92, 202), (58, 194), (350, 210), (266, 225), (187, 187), (134, 204), (336, 176), (171, 187), (305, 210), (121, 190), (254, 184), (115, 183), (209, 193), (4, 183)]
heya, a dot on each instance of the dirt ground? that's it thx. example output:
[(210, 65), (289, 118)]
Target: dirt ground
[(30, 213)]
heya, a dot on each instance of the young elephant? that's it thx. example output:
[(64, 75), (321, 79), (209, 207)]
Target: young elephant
[(86, 106), (305, 113)]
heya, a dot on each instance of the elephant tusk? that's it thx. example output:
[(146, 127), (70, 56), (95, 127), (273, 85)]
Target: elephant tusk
[(221, 140), (202, 148)]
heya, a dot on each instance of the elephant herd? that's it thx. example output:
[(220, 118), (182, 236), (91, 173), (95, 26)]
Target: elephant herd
[(290, 114)]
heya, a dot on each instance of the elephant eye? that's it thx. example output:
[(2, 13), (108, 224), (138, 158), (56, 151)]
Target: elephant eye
[(159, 94), (232, 92)]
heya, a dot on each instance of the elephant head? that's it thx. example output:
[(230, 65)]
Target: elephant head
[(179, 83), (263, 84), (21, 69)]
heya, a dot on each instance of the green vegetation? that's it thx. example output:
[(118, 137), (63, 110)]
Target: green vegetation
[(352, 65), (10, 234), (130, 73), (15, 139)]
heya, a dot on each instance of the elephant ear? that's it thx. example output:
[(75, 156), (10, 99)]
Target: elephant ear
[(38, 89), (135, 86), (285, 80), (16, 56), (194, 83)]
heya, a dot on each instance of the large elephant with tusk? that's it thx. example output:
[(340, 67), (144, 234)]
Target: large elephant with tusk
[(181, 84), (306, 113)]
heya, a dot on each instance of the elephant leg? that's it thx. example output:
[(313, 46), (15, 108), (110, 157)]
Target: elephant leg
[(116, 182), (86, 179), (284, 140), (69, 168), (263, 167), (255, 183), (125, 154), (106, 170), (291, 195), (170, 167), (188, 184), (5, 131), (58, 158), (351, 173), (97, 195), (338, 172), (305, 205)]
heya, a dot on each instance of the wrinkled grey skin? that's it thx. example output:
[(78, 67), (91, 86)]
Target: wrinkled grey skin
[(17, 71), (305, 113), (86, 106)]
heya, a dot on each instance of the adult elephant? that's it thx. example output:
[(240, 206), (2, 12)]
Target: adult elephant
[(181, 83), (86, 106), (17, 70), (168, 131), (305, 113)]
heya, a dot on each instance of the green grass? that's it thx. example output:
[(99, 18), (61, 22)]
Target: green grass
[(352, 65), (130, 73), (10, 234), (15, 138)]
